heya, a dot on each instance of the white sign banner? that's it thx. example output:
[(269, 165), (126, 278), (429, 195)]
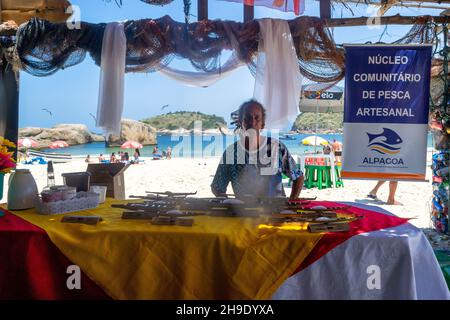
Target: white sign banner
[(387, 91)]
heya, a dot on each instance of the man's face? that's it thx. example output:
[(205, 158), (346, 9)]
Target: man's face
[(253, 118)]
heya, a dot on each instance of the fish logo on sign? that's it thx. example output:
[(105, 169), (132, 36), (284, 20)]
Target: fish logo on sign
[(385, 142)]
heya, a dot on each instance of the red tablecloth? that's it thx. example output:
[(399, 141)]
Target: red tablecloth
[(372, 221), (32, 267)]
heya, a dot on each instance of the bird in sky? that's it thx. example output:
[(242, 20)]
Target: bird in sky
[(51, 114), (93, 117), (164, 106)]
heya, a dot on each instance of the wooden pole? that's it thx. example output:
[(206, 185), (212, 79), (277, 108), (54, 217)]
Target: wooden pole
[(249, 13), (202, 10), (325, 9), (9, 103), (397, 19)]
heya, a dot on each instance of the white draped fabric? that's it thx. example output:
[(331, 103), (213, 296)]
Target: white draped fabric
[(201, 79), (278, 79), (277, 83), (401, 258), (112, 73)]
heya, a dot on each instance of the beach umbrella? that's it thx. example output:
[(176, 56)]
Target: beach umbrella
[(131, 145), (58, 144), (314, 141), (27, 143)]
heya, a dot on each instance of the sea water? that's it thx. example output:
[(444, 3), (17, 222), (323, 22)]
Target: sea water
[(193, 146)]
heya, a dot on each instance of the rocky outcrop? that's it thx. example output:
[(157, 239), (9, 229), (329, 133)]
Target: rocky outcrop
[(73, 134), (98, 138), (135, 131)]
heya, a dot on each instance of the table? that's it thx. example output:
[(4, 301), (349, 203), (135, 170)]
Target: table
[(38, 266)]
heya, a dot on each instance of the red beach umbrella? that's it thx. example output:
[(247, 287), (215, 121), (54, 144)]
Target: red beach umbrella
[(131, 145), (58, 144), (27, 143)]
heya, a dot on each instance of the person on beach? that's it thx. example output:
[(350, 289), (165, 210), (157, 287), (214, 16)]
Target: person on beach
[(392, 189), (113, 159), (255, 163), (336, 147), (88, 158), (136, 155), (326, 149), (101, 158), (156, 154), (169, 153)]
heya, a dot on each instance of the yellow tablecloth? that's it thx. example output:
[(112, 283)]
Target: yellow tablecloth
[(216, 258)]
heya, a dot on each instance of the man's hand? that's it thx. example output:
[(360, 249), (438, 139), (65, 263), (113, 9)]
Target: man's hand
[(297, 186)]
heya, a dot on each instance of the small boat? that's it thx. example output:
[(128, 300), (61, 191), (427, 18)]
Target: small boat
[(287, 137), (51, 156)]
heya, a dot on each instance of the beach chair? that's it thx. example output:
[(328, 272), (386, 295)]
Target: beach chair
[(318, 177), (338, 182)]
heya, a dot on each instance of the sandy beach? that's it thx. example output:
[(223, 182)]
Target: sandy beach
[(196, 174)]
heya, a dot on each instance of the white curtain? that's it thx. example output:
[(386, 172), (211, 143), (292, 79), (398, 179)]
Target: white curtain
[(202, 79), (205, 79), (278, 79), (112, 73), (277, 83)]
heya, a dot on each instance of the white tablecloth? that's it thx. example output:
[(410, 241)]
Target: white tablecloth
[(408, 268)]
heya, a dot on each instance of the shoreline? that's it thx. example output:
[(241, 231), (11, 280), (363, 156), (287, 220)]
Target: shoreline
[(196, 174)]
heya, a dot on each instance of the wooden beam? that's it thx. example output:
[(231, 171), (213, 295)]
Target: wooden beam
[(325, 9), (398, 3), (428, 1), (249, 13), (397, 19), (385, 7), (9, 103), (202, 10)]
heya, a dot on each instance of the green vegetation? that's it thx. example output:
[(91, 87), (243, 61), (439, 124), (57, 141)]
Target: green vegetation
[(328, 122), (184, 119)]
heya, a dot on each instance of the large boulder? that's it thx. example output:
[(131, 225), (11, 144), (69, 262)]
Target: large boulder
[(73, 134), (135, 131)]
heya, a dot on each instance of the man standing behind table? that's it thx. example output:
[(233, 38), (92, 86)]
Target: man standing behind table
[(254, 163)]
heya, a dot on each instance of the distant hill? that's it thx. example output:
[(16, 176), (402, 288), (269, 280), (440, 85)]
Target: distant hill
[(328, 122), (185, 120)]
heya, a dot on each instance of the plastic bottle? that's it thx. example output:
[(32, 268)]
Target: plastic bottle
[(50, 174)]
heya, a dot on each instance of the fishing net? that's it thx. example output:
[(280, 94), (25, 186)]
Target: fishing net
[(43, 47)]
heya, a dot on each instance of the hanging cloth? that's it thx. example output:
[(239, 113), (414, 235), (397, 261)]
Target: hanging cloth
[(278, 80), (112, 73), (202, 79)]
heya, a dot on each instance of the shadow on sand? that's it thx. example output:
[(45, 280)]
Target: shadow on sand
[(370, 202)]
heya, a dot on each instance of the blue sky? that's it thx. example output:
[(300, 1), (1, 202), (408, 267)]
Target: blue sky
[(72, 94)]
